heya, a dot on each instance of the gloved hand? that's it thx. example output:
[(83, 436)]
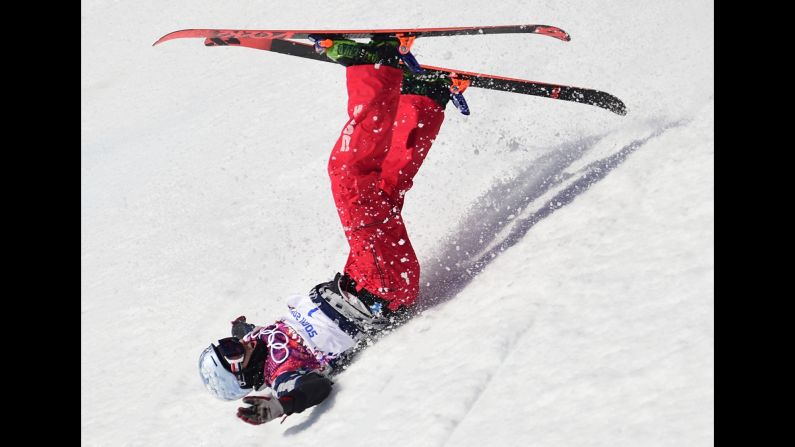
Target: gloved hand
[(240, 328), (263, 409)]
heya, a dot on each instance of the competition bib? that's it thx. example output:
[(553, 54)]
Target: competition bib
[(319, 331)]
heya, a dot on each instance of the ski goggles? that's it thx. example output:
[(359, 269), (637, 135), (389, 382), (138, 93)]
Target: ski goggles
[(234, 353)]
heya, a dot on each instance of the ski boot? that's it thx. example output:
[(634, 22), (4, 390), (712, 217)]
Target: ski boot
[(388, 51), (367, 312), (439, 88)]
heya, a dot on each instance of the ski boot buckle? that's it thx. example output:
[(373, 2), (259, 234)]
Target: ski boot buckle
[(405, 43), (457, 93), (404, 51), (320, 44)]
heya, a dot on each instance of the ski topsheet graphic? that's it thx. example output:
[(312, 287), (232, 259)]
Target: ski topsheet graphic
[(274, 41), (545, 30)]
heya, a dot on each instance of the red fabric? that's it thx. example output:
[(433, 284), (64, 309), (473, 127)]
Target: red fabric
[(371, 167)]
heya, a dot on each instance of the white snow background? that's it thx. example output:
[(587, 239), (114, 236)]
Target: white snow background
[(567, 252)]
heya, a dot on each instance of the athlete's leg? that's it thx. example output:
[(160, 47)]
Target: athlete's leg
[(417, 123), (372, 166), (366, 213)]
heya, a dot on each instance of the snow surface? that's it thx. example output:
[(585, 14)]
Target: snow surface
[(568, 253)]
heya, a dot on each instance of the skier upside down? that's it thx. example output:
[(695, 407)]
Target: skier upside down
[(393, 121)]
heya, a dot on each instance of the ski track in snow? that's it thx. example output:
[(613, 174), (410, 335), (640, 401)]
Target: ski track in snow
[(477, 243), (478, 392), (512, 198)]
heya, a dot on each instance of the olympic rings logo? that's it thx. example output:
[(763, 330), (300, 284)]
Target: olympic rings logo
[(277, 347)]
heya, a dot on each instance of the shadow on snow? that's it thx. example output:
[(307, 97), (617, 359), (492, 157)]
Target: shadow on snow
[(494, 225)]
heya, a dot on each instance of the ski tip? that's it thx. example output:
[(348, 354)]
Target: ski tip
[(161, 40), (607, 101), (597, 98), (618, 108), (178, 34), (552, 31)]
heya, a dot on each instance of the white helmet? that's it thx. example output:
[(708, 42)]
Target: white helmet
[(219, 380)]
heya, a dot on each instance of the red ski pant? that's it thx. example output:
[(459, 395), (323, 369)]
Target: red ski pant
[(372, 165)]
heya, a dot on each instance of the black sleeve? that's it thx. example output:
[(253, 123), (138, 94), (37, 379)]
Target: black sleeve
[(310, 390)]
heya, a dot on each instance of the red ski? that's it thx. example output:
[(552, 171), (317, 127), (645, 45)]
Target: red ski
[(544, 30)]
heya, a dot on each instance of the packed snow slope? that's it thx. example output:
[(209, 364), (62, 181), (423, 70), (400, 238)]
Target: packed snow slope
[(568, 253)]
